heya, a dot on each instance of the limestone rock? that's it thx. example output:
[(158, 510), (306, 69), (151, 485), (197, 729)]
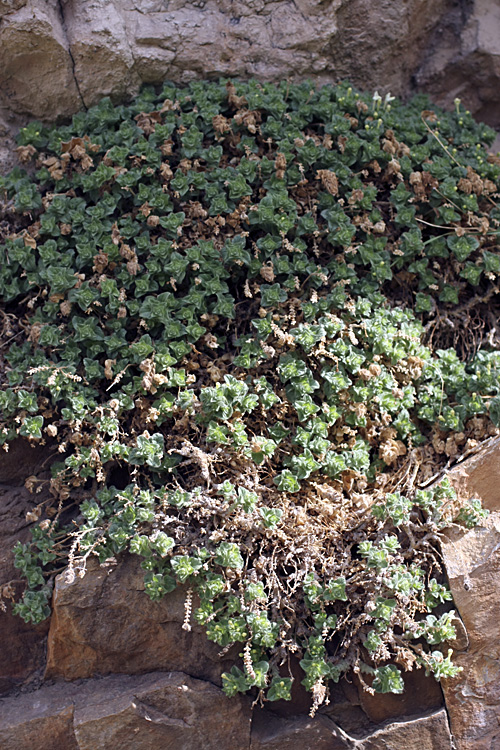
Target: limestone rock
[(9, 6), (100, 50), (472, 560)]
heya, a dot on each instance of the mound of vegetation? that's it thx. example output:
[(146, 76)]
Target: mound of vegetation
[(237, 299)]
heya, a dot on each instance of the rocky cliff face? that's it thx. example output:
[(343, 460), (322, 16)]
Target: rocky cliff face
[(56, 57), (113, 669)]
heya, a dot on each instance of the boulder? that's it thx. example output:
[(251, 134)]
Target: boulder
[(103, 63), (168, 711)]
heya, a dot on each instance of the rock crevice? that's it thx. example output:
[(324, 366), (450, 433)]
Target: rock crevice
[(63, 24)]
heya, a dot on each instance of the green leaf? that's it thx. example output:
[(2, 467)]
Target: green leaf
[(149, 450), (32, 427), (270, 517), (335, 590), (185, 566), (280, 689), (272, 295), (228, 555), (462, 246), (287, 482), (388, 679), (494, 410)]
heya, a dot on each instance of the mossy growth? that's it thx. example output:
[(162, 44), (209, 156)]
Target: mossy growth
[(242, 295)]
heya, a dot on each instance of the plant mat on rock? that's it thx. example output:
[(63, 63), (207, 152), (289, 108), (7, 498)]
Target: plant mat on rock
[(231, 306)]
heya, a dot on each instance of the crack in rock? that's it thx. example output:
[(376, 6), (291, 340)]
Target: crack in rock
[(70, 53)]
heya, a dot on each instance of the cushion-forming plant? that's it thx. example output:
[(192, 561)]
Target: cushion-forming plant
[(257, 319)]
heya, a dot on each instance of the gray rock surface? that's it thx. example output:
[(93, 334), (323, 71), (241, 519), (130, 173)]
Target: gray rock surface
[(465, 61)]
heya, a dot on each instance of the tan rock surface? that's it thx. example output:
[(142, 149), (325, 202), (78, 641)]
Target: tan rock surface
[(8, 6), (100, 49), (36, 70), (113, 626), (472, 560)]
